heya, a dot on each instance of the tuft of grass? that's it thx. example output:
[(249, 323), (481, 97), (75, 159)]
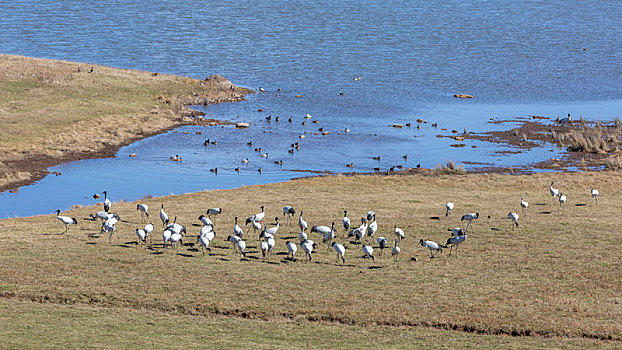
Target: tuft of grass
[(449, 168)]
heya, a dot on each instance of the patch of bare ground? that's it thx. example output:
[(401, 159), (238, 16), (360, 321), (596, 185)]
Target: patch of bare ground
[(56, 111)]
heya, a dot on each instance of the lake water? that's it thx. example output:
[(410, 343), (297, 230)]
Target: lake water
[(517, 59)]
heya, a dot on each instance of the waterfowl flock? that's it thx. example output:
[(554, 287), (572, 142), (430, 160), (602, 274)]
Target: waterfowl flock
[(267, 234)]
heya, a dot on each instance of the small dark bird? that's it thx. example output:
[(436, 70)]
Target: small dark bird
[(215, 170), (249, 143), (237, 169)]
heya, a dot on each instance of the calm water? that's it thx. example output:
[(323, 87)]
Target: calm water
[(517, 59)]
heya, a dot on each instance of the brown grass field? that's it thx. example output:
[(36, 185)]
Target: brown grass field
[(556, 282), (56, 111)]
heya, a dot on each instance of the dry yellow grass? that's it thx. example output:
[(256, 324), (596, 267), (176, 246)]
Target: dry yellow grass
[(59, 110), (559, 276)]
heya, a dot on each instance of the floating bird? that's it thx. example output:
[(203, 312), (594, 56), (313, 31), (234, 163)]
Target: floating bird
[(514, 217), (523, 204), (291, 249), (245, 161), (264, 155), (595, 195), (341, 251), (163, 216), (469, 217), (289, 211), (175, 158), (455, 242), (66, 220), (432, 246), (554, 192), (396, 250), (405, 156), (107, 202), (449, 206), (144, 211)]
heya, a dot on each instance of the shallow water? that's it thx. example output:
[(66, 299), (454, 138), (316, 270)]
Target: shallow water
[(517, 59)]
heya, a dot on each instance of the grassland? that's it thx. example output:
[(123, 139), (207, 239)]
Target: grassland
[(554, 283), (56, 111)]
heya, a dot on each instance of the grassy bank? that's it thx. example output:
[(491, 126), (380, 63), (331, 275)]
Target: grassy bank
[(556, 282), (56, 111)]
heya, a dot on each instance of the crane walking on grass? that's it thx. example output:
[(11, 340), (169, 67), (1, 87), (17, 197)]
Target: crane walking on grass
[(449, 207), (514, 217), (523, 203), (432, 246), (595, 195), (66, 220), (107, 202), (144, 211), (163, 216), (455, 242), (289, 211), (553, 191), (341, 251), (469, 217)]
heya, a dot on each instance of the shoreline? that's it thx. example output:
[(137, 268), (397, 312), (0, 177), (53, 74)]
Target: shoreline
[(160, 111)]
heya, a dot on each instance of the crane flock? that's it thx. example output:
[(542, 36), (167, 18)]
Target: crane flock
[(363, 235)]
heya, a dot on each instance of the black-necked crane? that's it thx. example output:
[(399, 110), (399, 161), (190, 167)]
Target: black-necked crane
[(346, 221), (302, 223), (514, 217), (371, 216), (396, 250), (372, 229), (213, 212), (205, 220), (144, 211), (341, 251), (256, 226), (107, 202), (359, 232), (455, 242), (448, 208), (399, 233), (66, 220), (109, 226), (237, 230), (469, 217), (553, 191), (291, 249), (241, 247), (329, 236), (562, 201), (206, 235), (142, 236), (289, 211), (264, 248), (369, 252), (257, 217), (103, 216), (382, 243), (234, 240), (148, 229), (308, 247), (176, 240), (523, 203), (432, 246), (163, 216), (166, 236), (595, 194), (273, 230), (302, 236), (175, 227), (457, 231)]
